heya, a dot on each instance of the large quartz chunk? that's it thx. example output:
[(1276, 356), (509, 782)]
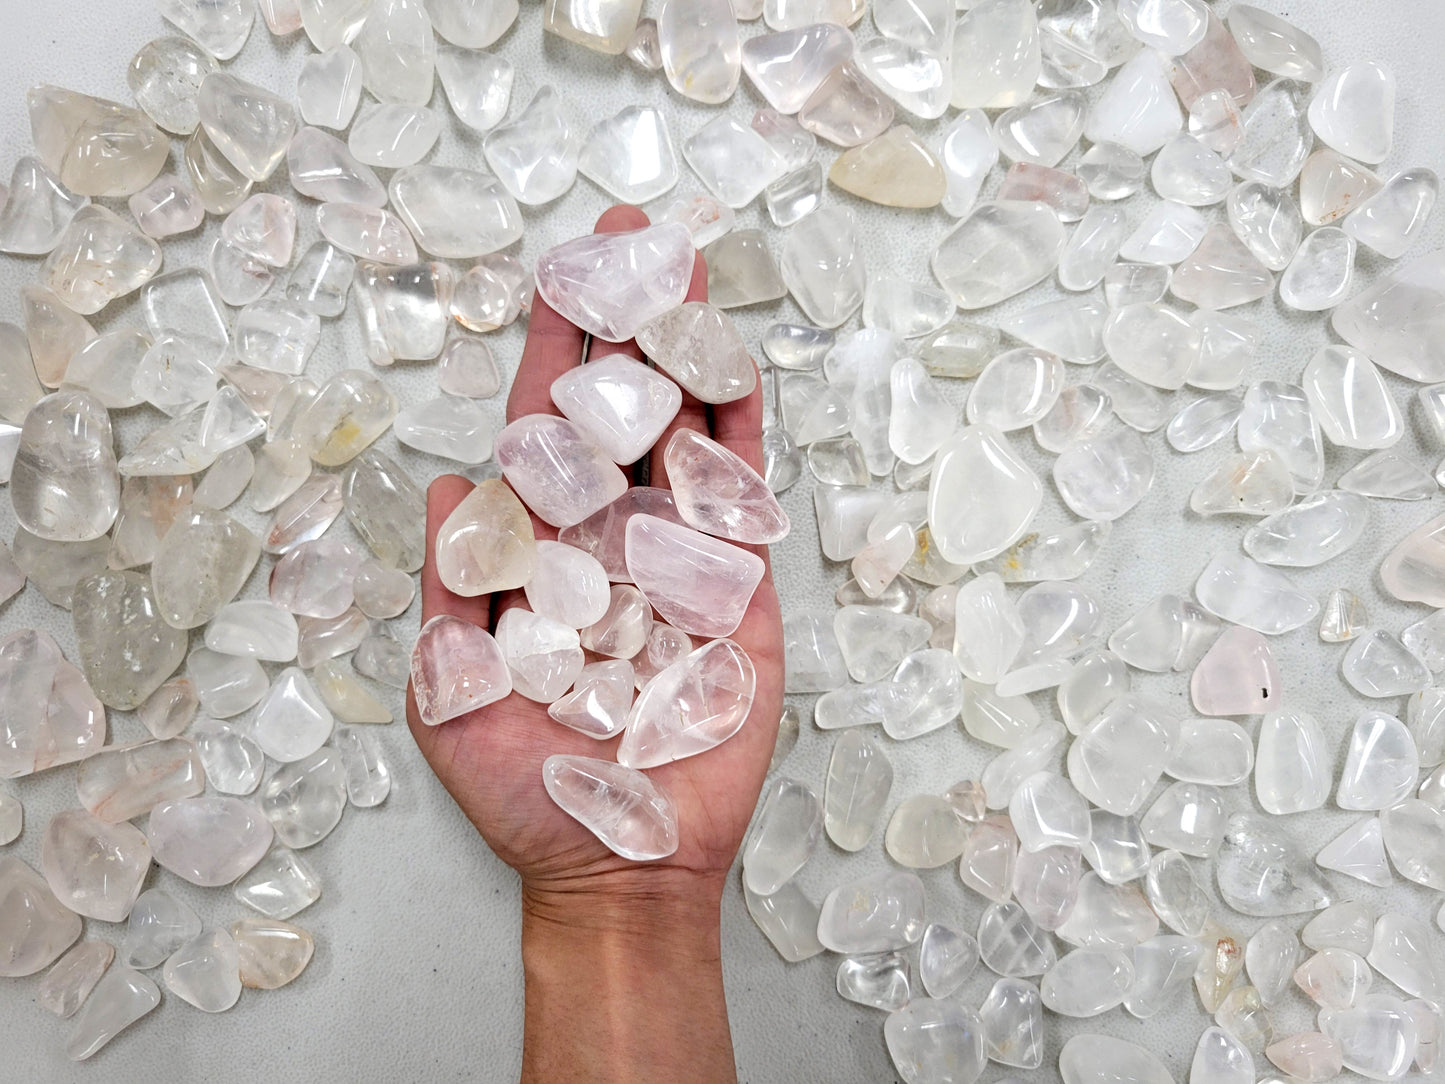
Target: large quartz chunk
[(619, 805), (200, 566), (121, 782), (456, 668), (698, 346), (126, 648), (346, 415), (208, 841), (96, 147), (398, 52), (120, 999), (64, 484), (999, 250), (692, 706), (982, 496), (995, 55), (249, 125), (94, 868), (698, 584), (610, 284)]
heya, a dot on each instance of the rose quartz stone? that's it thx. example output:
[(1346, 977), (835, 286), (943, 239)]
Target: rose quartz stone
[(1237, 676), (603, 534), (557, 471), (456, 667), (719, 494), (699, 584)]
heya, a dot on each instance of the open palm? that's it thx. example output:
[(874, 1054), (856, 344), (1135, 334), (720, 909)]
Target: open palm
[(491, 760)]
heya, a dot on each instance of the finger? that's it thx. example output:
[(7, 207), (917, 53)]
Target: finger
[(617, 219), (442, 497), (738, 426), (553, 346), (693, 414)]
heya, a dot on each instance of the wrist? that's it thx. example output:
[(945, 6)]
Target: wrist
[(624, 979)]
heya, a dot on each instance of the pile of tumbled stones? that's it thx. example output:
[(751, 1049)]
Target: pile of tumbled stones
[(961, 608)]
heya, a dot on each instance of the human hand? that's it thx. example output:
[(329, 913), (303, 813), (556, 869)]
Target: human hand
[(491, 760)]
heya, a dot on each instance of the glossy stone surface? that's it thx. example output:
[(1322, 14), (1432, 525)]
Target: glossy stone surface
[(120, 999), (698, 584), (456, 668), (691, 706), (208, 841), (999, 250), (64, 485), (678, 341), (619, 805), (206, 972)]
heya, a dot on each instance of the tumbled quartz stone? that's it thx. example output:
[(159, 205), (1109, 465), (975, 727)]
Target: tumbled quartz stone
[(35, 928), (823, 266), (281, 884), (894, 170), (158, 925), (328, 89), (1381, 764), (857, 784), (718, 493), (698, 584), (1377, 664), (874, 914), (543, 655), (999, 250), (611, 284), (227, 686), (1274, 44), (1277, 137), (398, 51), (119, 999), (125, 647), (67, 984), (622, 807), (304, 800), (622, 405), (250, 125), (206, 972), (94, 868), (879, 980), (122, 782), (64, 485), (200, 566), (784, 835), (690, 707), (37, 210), (321, 167), (974, 471), (1353, 111), (924, 832), (561, 474), (1389, 220), (935, 1040), (1010, 943), (697, 346), (96, 147), (1321, 272), (218, 184), (208, 841)]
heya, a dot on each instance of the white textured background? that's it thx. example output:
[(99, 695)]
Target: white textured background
[(416, 973)]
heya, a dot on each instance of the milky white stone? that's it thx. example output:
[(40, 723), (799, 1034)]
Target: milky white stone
[(206, 972), (96, 147), (328, 90), (454, 213), (1103, 478), (1390, 219), (1354, 111), (1117, 758), (1381, 764), (1138, 108), (1377, 664), (857, 785), (977, 471), (999, 250), (322, 167), (1275, 44), (784, 835), (1320, 274)]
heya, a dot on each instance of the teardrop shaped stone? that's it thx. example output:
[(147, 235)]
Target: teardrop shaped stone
[(982, 497), (692, 706), (1354, 111), (1292, 767), (718, 493)]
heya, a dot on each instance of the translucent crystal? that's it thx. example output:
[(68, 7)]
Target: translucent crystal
[(96, 147), (1138, 109), (873, 914), (1277, 137), (846, 108), (1111, 171), (456, 668), (1320, 274), (67, 984), (603, 25), (280, 885), (1104, 478), (977, 470), (1354, 111), (857, 784), (1256, 596), (119, 999), (1214, 120), (1389, 220), (946, 958), (1010, 944), (692, 706), (895, 170), (206, 972), (1274, 44), (1411, 836), (930, 1040), (270, 954), (1120, 755), (394, 136), (64, 485), (788, 919), (785, 833)]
